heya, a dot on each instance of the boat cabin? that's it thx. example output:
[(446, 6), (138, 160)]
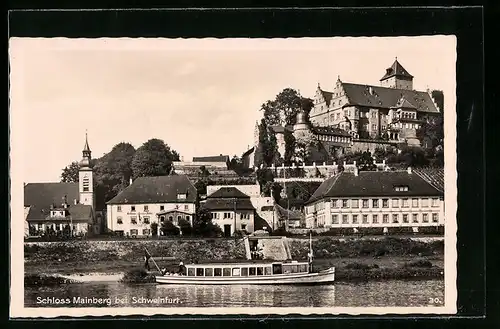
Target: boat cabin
[(246, 270)]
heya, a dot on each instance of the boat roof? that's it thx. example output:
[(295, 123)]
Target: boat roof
[(246, 263)]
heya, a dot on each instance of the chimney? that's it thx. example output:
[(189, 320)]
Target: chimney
[(356, 171), (409, 170)]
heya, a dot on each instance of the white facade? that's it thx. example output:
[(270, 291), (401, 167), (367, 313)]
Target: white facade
[(376, 212), (136, 219), (231, 221)]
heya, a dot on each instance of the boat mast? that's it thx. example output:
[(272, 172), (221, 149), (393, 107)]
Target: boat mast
[(310, 255)]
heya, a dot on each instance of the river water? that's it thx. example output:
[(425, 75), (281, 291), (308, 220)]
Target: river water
[(392, 293)]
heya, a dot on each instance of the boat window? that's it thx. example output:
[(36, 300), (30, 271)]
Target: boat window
[(294, 268), (267, 270), (199, 271), (244, 271), (226, 271), (252, 271), (260, 271), (277, 269), (287, 269), (190, 271), (303, 268), (209, 271), (236, 272), (217, 272)]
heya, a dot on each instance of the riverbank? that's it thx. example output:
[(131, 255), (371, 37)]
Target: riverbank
[(354, 259)]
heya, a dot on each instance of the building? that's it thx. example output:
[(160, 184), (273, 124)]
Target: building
[(211, 163), (63, 208), (376, 199), (231, 210), (151, 200), (392, 111)]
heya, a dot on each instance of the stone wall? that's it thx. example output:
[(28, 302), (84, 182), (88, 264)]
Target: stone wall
[(362, 145)]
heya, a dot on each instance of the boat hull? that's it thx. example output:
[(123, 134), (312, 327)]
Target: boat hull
[(324, 277)]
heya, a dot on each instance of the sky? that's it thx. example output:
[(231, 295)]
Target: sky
[(201, 96)]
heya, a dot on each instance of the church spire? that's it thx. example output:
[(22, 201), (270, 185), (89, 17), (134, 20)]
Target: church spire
[(86, 148), (86, 154)]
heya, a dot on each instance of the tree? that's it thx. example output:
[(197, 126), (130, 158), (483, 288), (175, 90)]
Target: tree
[(168, 228), (304, 146), (366, 162), (154, 229), (153, 158), (438, 97), (284, 108), (70, 173), (203, 224), (264, 178), (185, 227), (267, 149), (289, 147), (431, 132)]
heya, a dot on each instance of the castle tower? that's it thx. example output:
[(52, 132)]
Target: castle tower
[(397, 77), (86, 177)]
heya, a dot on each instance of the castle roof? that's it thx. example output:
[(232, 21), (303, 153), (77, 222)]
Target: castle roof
[(160, 189), (397, 70), (374, 184)]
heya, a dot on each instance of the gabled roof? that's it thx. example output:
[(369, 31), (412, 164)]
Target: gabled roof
[(42, 195), (435, 176), (77, 212), (404, 104), (215, 158), (228, 204), (398, 70), (160, 189), (374, 184), (228, 192), (327, 95), (381, 97)]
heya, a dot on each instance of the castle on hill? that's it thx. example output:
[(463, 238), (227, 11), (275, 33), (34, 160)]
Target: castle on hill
[(359, 117)]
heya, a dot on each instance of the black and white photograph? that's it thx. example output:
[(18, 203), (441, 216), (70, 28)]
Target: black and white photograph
[(233, 175)]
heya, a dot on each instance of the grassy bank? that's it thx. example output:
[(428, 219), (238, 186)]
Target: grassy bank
[(37, 280)]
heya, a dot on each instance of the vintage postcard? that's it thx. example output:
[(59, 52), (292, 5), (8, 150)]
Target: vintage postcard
[(233, 176)]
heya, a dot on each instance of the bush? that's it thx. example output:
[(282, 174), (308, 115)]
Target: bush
[(168, 228), (138, 276), (360, 266), (36, 280), (419, 263)]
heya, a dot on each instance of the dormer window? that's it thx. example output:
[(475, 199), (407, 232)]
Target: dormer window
[(181, 196), (401, 188)]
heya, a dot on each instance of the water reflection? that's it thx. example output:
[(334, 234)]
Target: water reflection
[(383, 293)]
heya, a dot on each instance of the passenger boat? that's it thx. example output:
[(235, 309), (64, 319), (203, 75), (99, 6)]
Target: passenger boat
[(250, 273)]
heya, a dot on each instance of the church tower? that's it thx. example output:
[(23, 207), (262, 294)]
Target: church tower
[(397, 77), (86, 177)]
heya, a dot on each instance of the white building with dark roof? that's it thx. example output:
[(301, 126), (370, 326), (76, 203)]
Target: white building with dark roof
[(376, 199), (151, 200)]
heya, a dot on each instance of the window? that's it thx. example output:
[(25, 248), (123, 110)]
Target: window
[(209, 271), (401, 188), (191, 271), (133, 220), (425, 218), (375, 203), (146, 231), (162, 219), (405, 218), (252, 271), (171, 218), (186, 207), (132, 208), (435, 202), (345, 219), (133, 232), (435, 218), (335, 203), (415, 218), (385, 203), (244, 271), (162, 208), (227, 215), (179, 218), (267, 270), (260, 271), (86, 183), (236, 272), (217, 272), (365, 203), (395, 218), (425, 202), (374, 127), (395, 203), (405, 203), (181, 196), (335, 219), (188, 218), (200, 271), (345, 204), (146, 208), (226, 272), (414, 203), (119, 220), (375, 219), (354, 219), (119, 208), (365, 219), (354, 203)]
